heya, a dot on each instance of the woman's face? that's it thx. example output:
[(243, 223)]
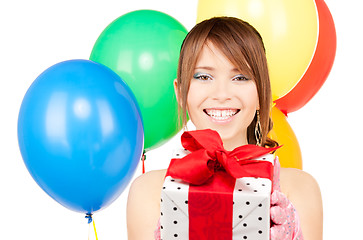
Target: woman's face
[(221, 98)]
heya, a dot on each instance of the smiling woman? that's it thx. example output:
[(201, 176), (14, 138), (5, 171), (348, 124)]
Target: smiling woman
[(223, 84)]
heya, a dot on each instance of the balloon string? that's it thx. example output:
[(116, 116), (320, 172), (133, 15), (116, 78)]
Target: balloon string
[(94, 228), (90, 219), (143, 158), (89, 231)]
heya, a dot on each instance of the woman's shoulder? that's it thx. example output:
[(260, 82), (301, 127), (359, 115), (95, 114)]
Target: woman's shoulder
[(303, 191), (149, 181), (294, 181), (295, 174)]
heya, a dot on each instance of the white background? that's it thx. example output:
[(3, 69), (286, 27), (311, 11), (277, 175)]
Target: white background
[(37, 34)]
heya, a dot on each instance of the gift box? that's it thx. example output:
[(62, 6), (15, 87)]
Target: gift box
[(223, 207)]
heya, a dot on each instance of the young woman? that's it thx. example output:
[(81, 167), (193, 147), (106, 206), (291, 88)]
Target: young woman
[(223, 84)]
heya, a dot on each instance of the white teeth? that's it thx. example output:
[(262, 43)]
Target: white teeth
[(220, 114)]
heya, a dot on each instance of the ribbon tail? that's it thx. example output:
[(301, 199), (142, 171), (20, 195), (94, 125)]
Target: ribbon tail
[(251, 151)]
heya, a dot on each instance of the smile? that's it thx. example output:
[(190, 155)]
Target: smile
[(221, 114)]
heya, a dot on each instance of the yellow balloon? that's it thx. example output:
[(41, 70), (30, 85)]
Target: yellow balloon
[(289, 154), (289, 29)]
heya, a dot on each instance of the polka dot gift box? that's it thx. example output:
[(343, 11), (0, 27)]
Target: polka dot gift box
[(221, 206)]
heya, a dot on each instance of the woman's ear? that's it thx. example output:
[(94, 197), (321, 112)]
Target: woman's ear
[(177, 92)]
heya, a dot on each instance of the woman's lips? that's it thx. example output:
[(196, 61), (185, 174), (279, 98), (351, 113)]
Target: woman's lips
[(221, 115)]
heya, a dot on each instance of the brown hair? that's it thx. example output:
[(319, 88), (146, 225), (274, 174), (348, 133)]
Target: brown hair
[(243, 46)]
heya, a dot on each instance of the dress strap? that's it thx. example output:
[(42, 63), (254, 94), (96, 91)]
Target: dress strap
[(276, 179), (157, 235)]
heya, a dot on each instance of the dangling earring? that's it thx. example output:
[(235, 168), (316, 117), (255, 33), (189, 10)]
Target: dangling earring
[(258, 129)]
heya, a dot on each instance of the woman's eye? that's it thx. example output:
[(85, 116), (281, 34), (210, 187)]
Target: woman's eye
[(240, 78), (202, 77)]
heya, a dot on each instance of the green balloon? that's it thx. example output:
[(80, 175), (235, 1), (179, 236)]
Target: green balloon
[(143, 47)]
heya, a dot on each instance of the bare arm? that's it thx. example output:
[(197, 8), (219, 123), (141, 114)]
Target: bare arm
[(143, 205), (304, 193)]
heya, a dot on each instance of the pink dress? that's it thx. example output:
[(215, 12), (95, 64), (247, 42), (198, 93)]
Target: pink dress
[(296, 234)]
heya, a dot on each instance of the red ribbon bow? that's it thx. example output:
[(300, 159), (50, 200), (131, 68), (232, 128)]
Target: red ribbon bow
[(208, 155)]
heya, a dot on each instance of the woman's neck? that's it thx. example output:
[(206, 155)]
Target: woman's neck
[(230, 144)]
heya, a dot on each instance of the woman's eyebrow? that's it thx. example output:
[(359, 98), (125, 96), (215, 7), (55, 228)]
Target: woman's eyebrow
[(205, 68), (234, 70)]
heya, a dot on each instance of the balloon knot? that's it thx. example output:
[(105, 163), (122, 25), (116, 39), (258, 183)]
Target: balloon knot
[(89, 217)]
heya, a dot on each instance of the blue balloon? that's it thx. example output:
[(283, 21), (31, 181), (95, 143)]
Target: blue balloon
[(80, 134)]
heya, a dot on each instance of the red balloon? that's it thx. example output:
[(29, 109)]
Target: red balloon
[(319, 67)]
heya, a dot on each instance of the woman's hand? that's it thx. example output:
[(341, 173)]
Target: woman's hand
[(285, 224)]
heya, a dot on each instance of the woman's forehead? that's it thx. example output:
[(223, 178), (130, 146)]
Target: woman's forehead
[(212, 54)]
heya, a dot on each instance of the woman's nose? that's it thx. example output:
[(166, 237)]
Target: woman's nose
[(221, 91)]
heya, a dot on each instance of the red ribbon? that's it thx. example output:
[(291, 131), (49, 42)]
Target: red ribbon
[(212, 171), (208, 155)]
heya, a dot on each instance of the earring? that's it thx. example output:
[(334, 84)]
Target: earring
[(258, 129)]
